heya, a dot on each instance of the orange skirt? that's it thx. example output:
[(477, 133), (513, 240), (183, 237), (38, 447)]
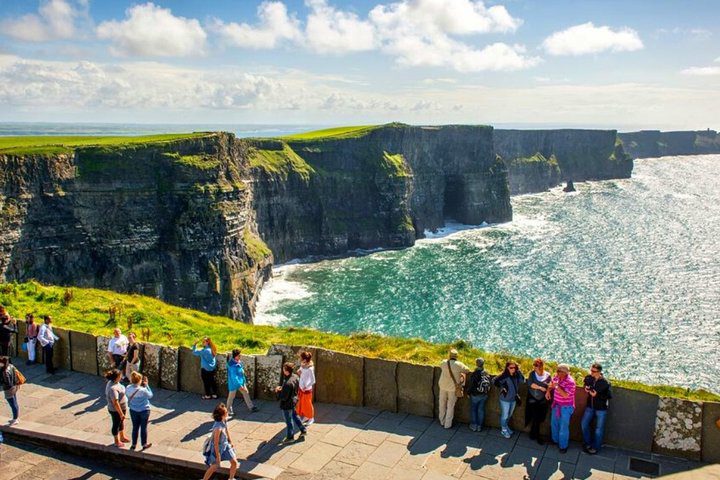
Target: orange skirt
[(304, 406)]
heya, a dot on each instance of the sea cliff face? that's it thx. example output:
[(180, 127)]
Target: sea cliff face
[(654, 143)]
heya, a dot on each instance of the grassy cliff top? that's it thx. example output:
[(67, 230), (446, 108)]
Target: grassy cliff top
[(334, 133), (88, 310), (48, 144)]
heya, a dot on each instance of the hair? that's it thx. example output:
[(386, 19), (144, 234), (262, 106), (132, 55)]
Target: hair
[(135, 378), (596, 366), (235, 352), (306, 356), (112, 375), (30, 317), (5, 361), (539, 362), (564, 366), (506, 371), (288, 367), (212, 346), (47, 319), (220, 412), (131, 334)]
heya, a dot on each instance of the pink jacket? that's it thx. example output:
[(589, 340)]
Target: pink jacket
[(569, 386)]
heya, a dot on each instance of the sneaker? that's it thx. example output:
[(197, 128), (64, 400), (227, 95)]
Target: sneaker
[(14, 421), (473, 427), (254, 409), (132, 447), (301, 438), (563, 450), (145, 447), (231, 413), (310, 422), (585, 447), (506, 434), (288, 440), (592, 451)]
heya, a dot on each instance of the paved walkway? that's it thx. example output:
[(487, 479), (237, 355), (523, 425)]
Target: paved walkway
[(345, 442)]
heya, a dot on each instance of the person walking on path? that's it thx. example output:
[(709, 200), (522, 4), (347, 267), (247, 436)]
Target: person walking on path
[(509, 384), (562, 389), (305, 409), (450, 384), (219, 447), (8, 326), (11, 380), (47, 339), (117, 406), (139, 394), (478, 388), (237, 382), (132, 356), (288, 395), (31, 334), (208, 365), (117, 349), (537, 405), (599, 395)]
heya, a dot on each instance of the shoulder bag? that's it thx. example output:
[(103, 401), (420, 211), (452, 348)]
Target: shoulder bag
[(459, 391)]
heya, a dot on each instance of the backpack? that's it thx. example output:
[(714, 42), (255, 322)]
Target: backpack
[(207, 444), (483, 387), (19, 378)]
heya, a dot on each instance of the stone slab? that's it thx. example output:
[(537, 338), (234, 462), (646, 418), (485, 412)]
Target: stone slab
[(169, 368), (221, 374), (61, 349), (340, 378), (150, 363), (189, 372), (711, 432), (631, 419), (381, 388), (678, 428), (103, 360), (581, 398), (83, 352), (268, 370), (415, 389), (249, 367)]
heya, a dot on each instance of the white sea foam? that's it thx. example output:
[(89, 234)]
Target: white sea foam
[(275, 291)]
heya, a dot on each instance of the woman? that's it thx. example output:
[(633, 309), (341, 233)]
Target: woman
[(117, 406), (220, 446), (237, 382), (562, 389), (31, 333), (8, 326), (132, 356), (208, 365), (537, 405), (139, 395), (306, 372), (10, 385), (508, 382)]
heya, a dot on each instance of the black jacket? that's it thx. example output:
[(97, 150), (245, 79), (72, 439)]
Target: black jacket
[(6, 331), (479, 383), (289, 393), (602, 387)]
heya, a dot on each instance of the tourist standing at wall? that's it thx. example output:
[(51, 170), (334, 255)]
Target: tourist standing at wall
[(31, 333), (562, 389), (11, 380), (117, 406), (478, 389), (219, 447), (139, 394), (509, 384), (208, 365), (47, 339), (288, 395), (117, 349), (450, 384), (537, 405), (599, 395), (132, 356), (8, 326), (237, 381), (305, 409)]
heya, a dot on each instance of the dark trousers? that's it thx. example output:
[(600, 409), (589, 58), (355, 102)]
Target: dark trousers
[(208, 379), (48, 354), (118, 425), (140, 424), (535, 414), (291, 417), (118, 360), (5, 349)]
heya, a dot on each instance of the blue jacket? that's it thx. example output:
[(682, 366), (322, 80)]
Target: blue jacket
[(236, 375), (207, 359), (141, 400)]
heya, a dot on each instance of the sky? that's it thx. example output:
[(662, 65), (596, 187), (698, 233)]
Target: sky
[(527, 63)]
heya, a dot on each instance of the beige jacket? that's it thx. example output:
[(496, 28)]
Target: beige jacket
[(446, 383)]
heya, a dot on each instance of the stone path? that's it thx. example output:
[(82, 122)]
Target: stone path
[(345, 442)]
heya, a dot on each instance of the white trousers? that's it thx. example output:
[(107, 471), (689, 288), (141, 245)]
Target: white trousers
[(32, 342), (446, 410)]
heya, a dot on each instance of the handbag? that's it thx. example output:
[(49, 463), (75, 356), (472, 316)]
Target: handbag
[(459, 390), (19, 378), (24, 347)]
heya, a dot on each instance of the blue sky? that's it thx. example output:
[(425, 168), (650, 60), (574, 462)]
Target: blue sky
[(626, 65)]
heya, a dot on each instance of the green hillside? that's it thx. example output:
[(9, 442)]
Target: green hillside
[(29, 145)]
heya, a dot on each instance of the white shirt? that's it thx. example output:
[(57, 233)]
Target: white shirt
[(307, 378), (118, 345), (46, 335)]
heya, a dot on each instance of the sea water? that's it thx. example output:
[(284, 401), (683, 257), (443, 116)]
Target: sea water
[(624, 272)]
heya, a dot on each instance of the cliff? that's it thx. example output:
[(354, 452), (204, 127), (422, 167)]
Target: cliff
[(654, 143), (580, 154)]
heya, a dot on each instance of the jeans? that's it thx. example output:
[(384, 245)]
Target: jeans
[(596, 440), (48, 354), (209, 383), (140, 423), (506, 411), (291, 417), (14, 406), (477, 410), (560, 425)]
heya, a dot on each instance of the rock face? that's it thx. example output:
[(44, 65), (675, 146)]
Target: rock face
[(654, 143), (533, 174)]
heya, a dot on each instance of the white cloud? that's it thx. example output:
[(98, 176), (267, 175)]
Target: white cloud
[(329, 30), (701, 71), (275, 25), (55, 20), (587, 38), (150, 30)]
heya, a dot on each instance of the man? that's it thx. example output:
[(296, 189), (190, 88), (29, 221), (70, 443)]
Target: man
[(8, 326), (47, 339), (117, 348), (452, 377), (478, 388), (288, 395), (598, 390)]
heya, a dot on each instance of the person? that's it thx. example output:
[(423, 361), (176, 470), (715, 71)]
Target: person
[(536, 404), (132, 356), (478, 389), (306, 372), (599, 394), (509, 383), (220, 446), (452, 377), (117, 348), (31, 333), (139, 394), (10, 385), (208, 365), (237, 382), (8, 326), (287, 394), (117, 406), (562, 390), (47, 339)]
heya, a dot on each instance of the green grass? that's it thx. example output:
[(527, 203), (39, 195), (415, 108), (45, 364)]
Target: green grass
[(256, 248), (281, 161), (200, 162), (334, 133), (87, 311), (30, 145), (537, 158), (395, 165)]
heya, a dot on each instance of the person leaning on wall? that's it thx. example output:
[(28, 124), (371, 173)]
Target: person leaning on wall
[(450, 384)]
